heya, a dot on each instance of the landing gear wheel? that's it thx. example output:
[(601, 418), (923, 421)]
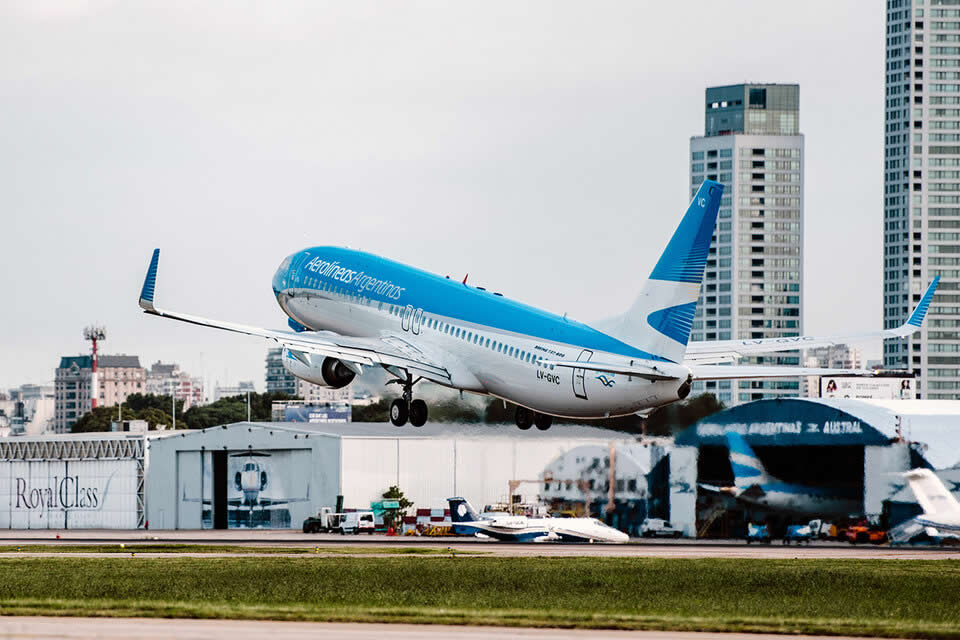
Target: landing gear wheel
[(418, 413), (524, 418), (398, 412), (543, 421)]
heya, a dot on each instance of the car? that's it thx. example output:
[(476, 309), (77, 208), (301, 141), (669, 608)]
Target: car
[(659, 528), (758, 533)]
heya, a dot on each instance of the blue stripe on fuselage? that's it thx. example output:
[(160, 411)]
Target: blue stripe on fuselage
[(404, 285)]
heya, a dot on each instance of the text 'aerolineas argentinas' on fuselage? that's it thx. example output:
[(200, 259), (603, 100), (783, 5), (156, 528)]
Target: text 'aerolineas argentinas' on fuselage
[(357, 279)]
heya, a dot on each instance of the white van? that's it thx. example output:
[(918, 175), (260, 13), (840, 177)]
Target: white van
[(356, 521)]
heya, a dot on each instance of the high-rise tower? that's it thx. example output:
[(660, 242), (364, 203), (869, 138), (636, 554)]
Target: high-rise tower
[(753, 282), (921, 205)]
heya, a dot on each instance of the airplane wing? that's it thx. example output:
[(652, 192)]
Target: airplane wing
[(718, 351), (387, 350), (733, 372)]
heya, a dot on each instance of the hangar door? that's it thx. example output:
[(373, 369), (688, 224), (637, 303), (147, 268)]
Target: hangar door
[(244, 489)]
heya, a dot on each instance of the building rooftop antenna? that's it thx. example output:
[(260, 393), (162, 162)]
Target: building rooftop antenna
[(94, 334)]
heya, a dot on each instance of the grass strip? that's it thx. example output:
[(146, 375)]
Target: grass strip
[(128, 548), (884, 598)]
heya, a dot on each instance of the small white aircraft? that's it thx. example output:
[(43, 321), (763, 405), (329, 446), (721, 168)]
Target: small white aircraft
[(941, 511), (511, 528), (348, 309), (754, 486)]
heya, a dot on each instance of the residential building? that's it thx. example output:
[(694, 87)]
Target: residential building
[(169, 379), (838, 356), (753, 282), (30, 409), (118, 377), (921, 212), (279, 380)]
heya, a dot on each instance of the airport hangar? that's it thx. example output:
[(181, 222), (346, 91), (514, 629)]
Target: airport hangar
[(194, 477), (202, 479), (864, 444)]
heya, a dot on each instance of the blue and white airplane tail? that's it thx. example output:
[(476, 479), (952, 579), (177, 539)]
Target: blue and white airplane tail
[(461, 511), (747, 468), (660, 320)]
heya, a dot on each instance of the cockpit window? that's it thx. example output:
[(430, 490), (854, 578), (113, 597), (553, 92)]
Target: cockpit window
[(249, 467)]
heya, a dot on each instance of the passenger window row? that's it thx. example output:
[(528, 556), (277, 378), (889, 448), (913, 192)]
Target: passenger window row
[(443, 327)]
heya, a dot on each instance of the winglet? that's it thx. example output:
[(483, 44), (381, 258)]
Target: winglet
[(920, 312), (150, 283)]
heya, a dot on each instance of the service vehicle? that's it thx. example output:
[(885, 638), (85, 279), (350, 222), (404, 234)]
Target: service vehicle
[(862, 533), (326, 521), (798, 533), (823, 530), (758, 533), (659, 528)]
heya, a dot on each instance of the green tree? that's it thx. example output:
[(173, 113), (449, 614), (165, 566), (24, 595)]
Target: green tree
[(98, 419), (393, 517), (140, 401), (663, 421), (232, 409), (378, 411)]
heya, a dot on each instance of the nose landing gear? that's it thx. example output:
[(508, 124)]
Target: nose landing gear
[(406, 407)]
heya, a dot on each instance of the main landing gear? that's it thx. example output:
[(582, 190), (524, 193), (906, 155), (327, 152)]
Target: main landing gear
[(406, 408), (526, 418)]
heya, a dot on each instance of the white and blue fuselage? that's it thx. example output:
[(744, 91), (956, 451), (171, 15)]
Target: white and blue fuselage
[(489, 344)]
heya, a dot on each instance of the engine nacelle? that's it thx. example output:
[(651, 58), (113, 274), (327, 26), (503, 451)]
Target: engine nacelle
[(325, 372)]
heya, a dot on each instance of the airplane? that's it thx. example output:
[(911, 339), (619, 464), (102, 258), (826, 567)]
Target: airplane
[(510, 528), (250, 481), (350, 309), (754, 486), (941, 511)]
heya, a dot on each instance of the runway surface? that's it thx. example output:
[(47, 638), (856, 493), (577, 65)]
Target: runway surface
[(369, 545), (42, 628)]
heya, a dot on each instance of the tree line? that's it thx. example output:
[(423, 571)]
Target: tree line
[(157, 411)]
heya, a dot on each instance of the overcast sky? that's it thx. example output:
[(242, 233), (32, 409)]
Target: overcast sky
[(540, 146)]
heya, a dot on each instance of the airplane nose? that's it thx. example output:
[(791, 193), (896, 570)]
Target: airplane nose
[(281, 276)]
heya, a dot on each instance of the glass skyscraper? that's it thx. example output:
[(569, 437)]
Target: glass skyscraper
[(753, 283), (921, 212)]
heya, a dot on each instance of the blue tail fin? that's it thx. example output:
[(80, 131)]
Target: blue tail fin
[(461, 511), (150, 283), (660, 320), (747, 468)]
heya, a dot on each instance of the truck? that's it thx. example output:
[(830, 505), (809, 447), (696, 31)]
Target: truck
[(798, 533), (823, 530), (758, 533), (326, 521)]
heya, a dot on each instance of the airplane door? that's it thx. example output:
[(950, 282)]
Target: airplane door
[(579, 389), (405, 320), (417, 319)]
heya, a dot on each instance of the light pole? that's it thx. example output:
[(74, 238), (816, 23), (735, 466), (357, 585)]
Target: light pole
[(248, 406)]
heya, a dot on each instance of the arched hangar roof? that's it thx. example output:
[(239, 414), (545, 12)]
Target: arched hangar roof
[(934, 424)]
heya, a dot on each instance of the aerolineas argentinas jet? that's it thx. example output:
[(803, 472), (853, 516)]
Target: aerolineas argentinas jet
[(348, 310)]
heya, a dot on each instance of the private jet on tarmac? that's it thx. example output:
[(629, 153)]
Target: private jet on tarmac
[(941, 511), (754, 486), (523, 529), (349, 309)]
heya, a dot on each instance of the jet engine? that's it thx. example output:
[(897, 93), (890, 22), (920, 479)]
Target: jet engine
[(323, 371)]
